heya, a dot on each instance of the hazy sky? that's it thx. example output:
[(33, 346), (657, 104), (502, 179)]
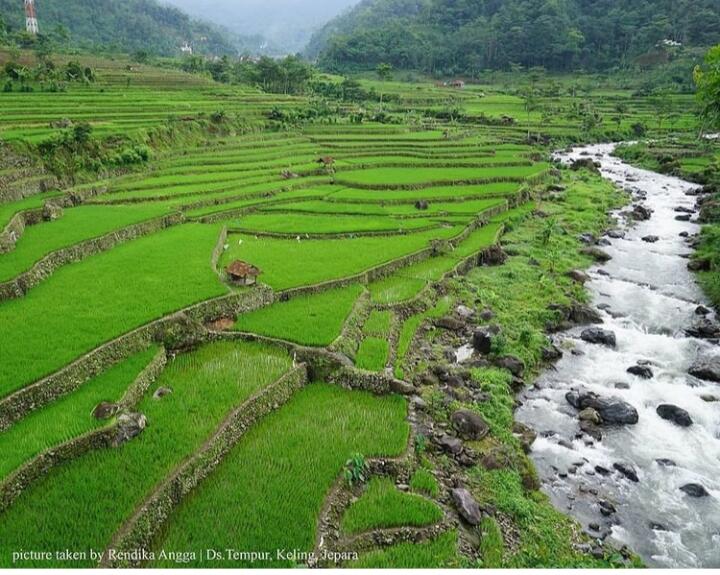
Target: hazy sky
[(286, 22)]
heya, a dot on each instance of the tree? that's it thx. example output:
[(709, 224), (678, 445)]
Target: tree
[(3, 30), (707, 80), (384, 71)]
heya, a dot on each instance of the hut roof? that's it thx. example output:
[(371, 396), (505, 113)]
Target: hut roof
[(240, 269)]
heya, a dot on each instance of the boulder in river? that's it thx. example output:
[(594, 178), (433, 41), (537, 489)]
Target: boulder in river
[(675, 414), (467, 507), (642, 371), (578, 276), (469, 424), (611, 409), (706, 367), (704, 328), (599, 336), (596, 253), (650, 239), (627, 470), (591, 415), (581, 314), (641, 213), (694, 490)]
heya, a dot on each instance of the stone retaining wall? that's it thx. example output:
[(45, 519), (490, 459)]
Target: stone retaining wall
[(238, 212), (12, 487), (333, 236), (425, 185), (144, 380), (144, 526), (28, 399), (16, 227), (44, 268), (218, 251), (377, 383), (348, 341)]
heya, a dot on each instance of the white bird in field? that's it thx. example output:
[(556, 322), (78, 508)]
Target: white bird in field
[(298, 238), (240, 242)]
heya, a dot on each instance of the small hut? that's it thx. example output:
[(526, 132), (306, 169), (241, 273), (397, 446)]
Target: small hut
[(242, 273), (327, 161)]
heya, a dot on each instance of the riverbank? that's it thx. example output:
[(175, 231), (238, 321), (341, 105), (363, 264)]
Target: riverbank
[(627, 422), (542, 258)]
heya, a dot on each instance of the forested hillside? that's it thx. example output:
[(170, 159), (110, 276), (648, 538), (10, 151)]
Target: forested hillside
[(127, 26), (467, 36)]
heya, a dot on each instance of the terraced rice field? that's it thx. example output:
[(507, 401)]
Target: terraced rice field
[(345, 249)]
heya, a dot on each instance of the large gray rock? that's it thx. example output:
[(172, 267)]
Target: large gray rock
[(450, 444), (704, 328), (467, 507), (129, 426), (450, 323), (642, 371), (706, 367), (483, 339), (694, 490), (581, 314), (675, 414), (469, 424), (105, 410), (596, 253), (578, 276), (612, 410), (599, 336), (513, 364)]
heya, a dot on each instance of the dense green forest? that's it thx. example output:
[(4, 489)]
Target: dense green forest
[(468, 36), (127, 26)]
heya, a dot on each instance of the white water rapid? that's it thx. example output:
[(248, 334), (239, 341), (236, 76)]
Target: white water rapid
[(648, 298)]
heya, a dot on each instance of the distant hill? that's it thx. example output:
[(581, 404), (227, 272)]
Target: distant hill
[(121, 25), (447, 37), (286, 25)]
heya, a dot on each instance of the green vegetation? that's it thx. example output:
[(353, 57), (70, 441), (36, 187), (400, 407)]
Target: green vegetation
[(372, 354), (491, 544), (410, 327), (75, 226), (708, 88), (382, 506), (70, 416), (424, 482), (292, 263), (436, 554), (378, 323), (298, 451), (314, 319), (444, 38), (320, 178), (104, 487), (141, 26), (86, 304)]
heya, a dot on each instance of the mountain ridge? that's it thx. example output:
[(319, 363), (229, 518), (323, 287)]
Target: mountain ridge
[(127, 26), (468, 36)]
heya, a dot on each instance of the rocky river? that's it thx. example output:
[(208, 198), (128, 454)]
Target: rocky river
[(628, 420)]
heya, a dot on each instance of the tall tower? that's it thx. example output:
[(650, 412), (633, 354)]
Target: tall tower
[(31, 24)]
